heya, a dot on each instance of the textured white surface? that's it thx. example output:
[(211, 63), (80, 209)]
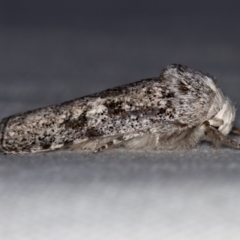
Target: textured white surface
[(121, 195)]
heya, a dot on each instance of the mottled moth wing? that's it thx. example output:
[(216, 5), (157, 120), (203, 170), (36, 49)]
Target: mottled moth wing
[(144, 114)]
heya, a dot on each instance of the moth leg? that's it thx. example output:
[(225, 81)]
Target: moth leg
[(235, 130), (108, 144), (218, 139), (117, 141)]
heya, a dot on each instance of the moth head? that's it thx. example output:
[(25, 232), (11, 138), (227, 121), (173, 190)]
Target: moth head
[(225, 117)]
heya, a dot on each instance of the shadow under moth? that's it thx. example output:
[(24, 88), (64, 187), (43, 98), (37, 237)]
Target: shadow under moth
[(176, 110)]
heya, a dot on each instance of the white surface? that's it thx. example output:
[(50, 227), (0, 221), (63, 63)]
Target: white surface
[(121, 195)]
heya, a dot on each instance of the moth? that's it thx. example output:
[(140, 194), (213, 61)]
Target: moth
[(176, 110)]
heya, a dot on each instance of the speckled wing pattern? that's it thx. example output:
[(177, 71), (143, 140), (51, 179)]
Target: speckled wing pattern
[(131, 115)]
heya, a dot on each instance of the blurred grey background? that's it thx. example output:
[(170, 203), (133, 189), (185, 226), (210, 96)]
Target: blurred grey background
[(54, 51)]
